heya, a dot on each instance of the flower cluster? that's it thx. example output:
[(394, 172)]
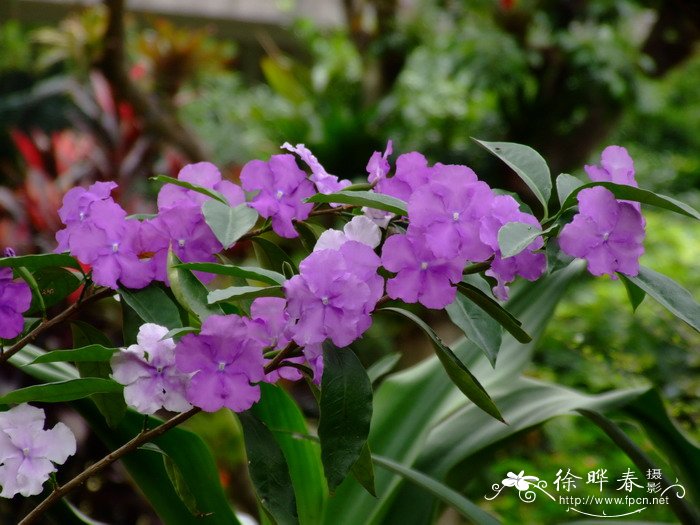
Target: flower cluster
[(15, 299), (28, 452), (453, 219), (133, 252), (606, 232)]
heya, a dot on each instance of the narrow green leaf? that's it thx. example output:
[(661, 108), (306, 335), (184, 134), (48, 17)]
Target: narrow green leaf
[(480, 328), (383, 366), (634, 293), (622, 191), (306, 235), (37, 299), (188, 290), (194, 187), (111, 406), (495, 310), (527, 163), (377, 201), (282, 415), (179, 332), (244, 272), (238, 293), (456, 370), (363, 470), (268, 470), (45, 260), (180, 485), (566, 185), (153, 305), (670, 295), (514, 237), (441, 491), (271, 256), (62, 391), (90, 353), (229, 224), (346, 411)]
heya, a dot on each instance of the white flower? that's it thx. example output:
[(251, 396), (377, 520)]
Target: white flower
[(519, 481), (359, 229)]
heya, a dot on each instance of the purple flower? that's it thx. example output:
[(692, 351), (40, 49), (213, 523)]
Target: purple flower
[(77, 201), (28, 452), (225, 362), (282, 188), (185, 229), (333, 294), (420, 276), (616, 166), (147, 370), (412, 172), (314, 358), (203, 174), (527, 264), (15, 298), (606, 232), (324, 181), (448, 212), (378, 165)]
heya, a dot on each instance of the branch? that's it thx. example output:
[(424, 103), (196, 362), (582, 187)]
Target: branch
[(155, 118), (49, 323), (129, 446), (284, 354)]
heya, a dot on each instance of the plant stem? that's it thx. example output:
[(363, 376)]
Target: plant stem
[(284, 354), (49, 323), (129, 446)]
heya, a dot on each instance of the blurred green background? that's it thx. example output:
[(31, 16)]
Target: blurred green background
[(99, 93)]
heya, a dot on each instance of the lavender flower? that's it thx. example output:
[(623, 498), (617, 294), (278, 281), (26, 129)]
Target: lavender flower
[(324, 181), (15, 299), (225, 362), (28, 452), (606, 232), (378, 165), (420, 276), (203, 174), (359, 229), (333, 294), (616, 166), (448, 212), (147, 370), (282, 188), (527, 264), (412, 172)]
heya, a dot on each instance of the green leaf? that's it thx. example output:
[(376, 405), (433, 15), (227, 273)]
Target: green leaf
[(229, 224), (55, 284), (179, 332), (90, 353), (244, 272), (62, 390), (188, 290), (514, 237), (282, 415), (622, 191), (37, 299), (268, 470), (383, 366), (180, 485), (377, 201), (479, 327), (670, 295), (238, 293), (441, 491), (566, 185), (271, 256), (153, 305), (194, 187), (306, 235), (634, 293), (363, 470), (46, 260), (345, 412), (456, 370), (527, 163), (111, 406), (495, 310)]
